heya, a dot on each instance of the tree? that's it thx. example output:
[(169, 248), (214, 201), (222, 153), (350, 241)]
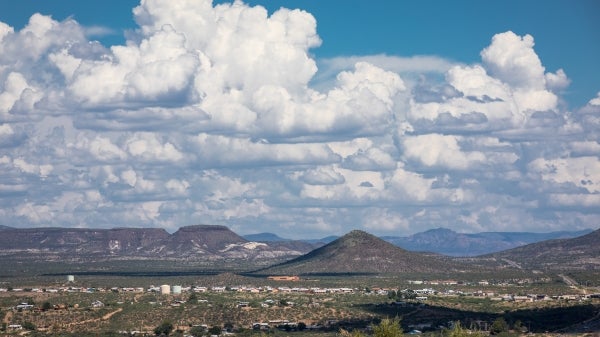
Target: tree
[(193, 298), (519, 326), (409, 294), (458, 331), (46, 306), (29, 326), (215, 330), (164, 329), (301, 326), (498, 326), (197, 331), (392, 294), (388, 328), (354, 333)]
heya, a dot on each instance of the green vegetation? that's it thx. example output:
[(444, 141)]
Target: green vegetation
[(458, 330), (388, 328), (164, 329), (499, 326), (215, 330), (323, 314), (28, 326)]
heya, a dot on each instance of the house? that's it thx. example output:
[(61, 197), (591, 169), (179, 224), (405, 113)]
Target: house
[(424, 291), (568, 297), (522, 299), (97, 304), (24, 306), (260, 326)]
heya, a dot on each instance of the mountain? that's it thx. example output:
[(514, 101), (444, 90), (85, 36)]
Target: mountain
[(448, 242), (191, 243), (4, 227), (270, 237), (276, 241), (54, 240), (203, 238), (360, 252), (560, 254), (355, 252), (322, 241), (264, 237)]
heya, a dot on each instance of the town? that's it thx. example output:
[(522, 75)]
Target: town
[(226, 308)]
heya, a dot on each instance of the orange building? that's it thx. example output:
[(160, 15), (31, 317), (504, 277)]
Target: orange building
[(284, 278)]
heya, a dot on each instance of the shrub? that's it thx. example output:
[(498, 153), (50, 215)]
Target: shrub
[(498, 326), (458, 331), (215, 330), (28, 326), (164, 329), (388, 328)]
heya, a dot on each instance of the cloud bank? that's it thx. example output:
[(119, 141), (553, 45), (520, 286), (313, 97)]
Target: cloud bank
[(218, 114)]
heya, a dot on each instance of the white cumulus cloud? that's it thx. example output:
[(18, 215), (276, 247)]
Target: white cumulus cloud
[(219, 114)]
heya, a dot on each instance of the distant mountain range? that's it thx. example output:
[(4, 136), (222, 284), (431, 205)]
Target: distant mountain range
[(448, 242), (355, 252), (582, 253), (270, 237), (359, 252), (192, 243)]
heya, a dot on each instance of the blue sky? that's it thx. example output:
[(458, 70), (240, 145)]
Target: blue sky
[(388, 116)]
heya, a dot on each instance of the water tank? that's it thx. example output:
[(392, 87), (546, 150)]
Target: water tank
[(176, 289), (165, 289), (70, 278)]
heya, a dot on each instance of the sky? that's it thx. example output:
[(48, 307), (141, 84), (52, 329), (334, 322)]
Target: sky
[(300, 118)]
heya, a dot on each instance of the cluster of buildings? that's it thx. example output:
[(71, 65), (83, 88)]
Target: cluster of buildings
[(512, 282), (166, 289), (419, 294)]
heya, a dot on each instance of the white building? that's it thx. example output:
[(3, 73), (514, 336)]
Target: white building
[(165, 289)]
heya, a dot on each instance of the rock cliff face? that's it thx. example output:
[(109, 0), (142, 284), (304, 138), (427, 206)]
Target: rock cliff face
[(200, 242), (75, 240)]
